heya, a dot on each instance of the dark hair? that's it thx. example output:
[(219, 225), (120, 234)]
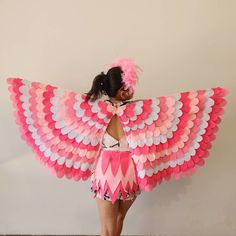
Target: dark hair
[(107, 84)]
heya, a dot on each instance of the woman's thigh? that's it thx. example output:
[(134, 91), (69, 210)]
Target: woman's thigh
[(108, 212), (124, 207)]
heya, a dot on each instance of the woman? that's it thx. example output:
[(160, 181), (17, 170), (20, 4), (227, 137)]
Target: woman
[(112, 213), (169, 136)]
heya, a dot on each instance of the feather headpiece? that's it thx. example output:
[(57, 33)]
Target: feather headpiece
[(130, 72)]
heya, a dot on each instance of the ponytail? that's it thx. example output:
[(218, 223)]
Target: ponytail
[(99, 87), (107, 84)]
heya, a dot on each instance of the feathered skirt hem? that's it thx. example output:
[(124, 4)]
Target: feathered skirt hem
[(114, 176)]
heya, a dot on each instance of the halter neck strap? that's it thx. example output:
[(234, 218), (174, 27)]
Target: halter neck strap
[(117, 104)]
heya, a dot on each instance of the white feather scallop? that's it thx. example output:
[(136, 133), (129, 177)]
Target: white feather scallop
[(192, 151), (149, 141), (126, 122), (23, 89), (199, 138), (91, 123), (24, 98), (208, 109), (202, 131), (95, 108), (76, 106), (79, 138), (86, 140), (101, 115), (134, 127), (94, 141), (53, 109), (32, 128), (141, 174), (61, 160), (29, 121), (79, 113), (66, 130), (25, 105), (177, 96), (151, 157), (37, 138), (149, 121), (206, 117), (69, 163), (155, 116), (126, 128), (179, 104), (84, 166), (72, 134), (138, 109), (133, 118), (58, 92), (42, 147), (139, 143), (163, 139), (54, 101), (155, 169), (47, 152), (169, 134), (180, 161), (106, 120), (179, 113), (85, 118), (60, 124), (56, 117), (77, 164), (209, 92), (27, 113), (133, 144), (187, 157), (149, 172), (172, 164), (196, 145), (156, 140), (54, 157), (99, 126)]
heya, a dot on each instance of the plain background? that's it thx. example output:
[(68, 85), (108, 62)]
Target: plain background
[(180, 45)]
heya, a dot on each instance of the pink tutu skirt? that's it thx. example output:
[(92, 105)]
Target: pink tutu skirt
[(114, 176)]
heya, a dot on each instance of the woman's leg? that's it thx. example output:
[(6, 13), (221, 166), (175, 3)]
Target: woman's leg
[(122, 210), (108, 213)]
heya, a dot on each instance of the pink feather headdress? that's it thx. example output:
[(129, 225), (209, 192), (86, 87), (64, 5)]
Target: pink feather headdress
[(130, 72)]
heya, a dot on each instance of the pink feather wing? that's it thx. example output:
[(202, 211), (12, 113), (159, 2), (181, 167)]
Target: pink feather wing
[(169, 136), (62, 129)]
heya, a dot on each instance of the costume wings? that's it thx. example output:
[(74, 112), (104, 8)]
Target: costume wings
[(168, 136)]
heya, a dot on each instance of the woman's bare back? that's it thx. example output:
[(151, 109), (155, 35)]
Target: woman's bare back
[(115, 128)]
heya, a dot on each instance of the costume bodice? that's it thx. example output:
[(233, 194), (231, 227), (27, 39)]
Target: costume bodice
[(110, 143)]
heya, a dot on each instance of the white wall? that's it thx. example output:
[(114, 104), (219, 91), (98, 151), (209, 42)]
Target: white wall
[(180, 45)]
